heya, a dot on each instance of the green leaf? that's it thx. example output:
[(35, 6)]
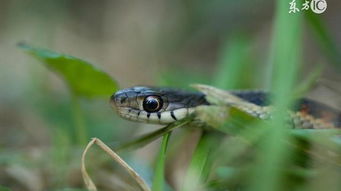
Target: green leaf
[(273, 154), (159, 179), (82, 78)]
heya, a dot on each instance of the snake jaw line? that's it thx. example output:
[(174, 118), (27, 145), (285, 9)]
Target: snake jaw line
[(155, 117)]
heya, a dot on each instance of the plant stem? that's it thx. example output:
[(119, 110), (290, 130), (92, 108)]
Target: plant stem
[(79, 124)]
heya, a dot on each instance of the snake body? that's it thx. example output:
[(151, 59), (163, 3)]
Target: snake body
[(166, 105)]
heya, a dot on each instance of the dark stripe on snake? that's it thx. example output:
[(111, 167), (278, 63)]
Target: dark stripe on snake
[(173, 116)]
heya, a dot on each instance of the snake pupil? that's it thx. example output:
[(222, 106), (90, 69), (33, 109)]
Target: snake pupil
[(152, 103)]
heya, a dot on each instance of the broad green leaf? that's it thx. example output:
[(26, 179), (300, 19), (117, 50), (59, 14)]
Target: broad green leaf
[(82, 77)]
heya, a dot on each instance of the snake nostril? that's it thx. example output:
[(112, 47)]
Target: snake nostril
[(123, 99), (119, 98)]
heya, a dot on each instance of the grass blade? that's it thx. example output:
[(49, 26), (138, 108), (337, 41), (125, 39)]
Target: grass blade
[(159, 180), (286, 48), (145, 139), (199, 167), (232, 63), (324, 38)]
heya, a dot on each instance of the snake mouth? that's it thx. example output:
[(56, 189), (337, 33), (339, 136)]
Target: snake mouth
[(140, 116), (162, 118), (137, 115), (120, 108), (128, 113)]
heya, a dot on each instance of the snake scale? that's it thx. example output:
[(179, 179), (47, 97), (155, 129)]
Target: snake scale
[(166, 105)]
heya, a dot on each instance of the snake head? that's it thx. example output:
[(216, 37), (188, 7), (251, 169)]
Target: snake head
[(155, 105)]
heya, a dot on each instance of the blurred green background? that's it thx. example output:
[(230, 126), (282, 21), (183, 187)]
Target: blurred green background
[(229, 44)]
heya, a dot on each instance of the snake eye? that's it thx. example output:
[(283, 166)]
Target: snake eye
[(152, 103)]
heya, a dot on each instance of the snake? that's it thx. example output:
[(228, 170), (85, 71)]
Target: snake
[(161, 105)]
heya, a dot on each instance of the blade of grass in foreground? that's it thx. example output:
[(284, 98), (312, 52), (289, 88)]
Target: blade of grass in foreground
[(159, 179), (308, 82), (232, 63), (273, 153), (145, 139), (199, 167), (324, 37)]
